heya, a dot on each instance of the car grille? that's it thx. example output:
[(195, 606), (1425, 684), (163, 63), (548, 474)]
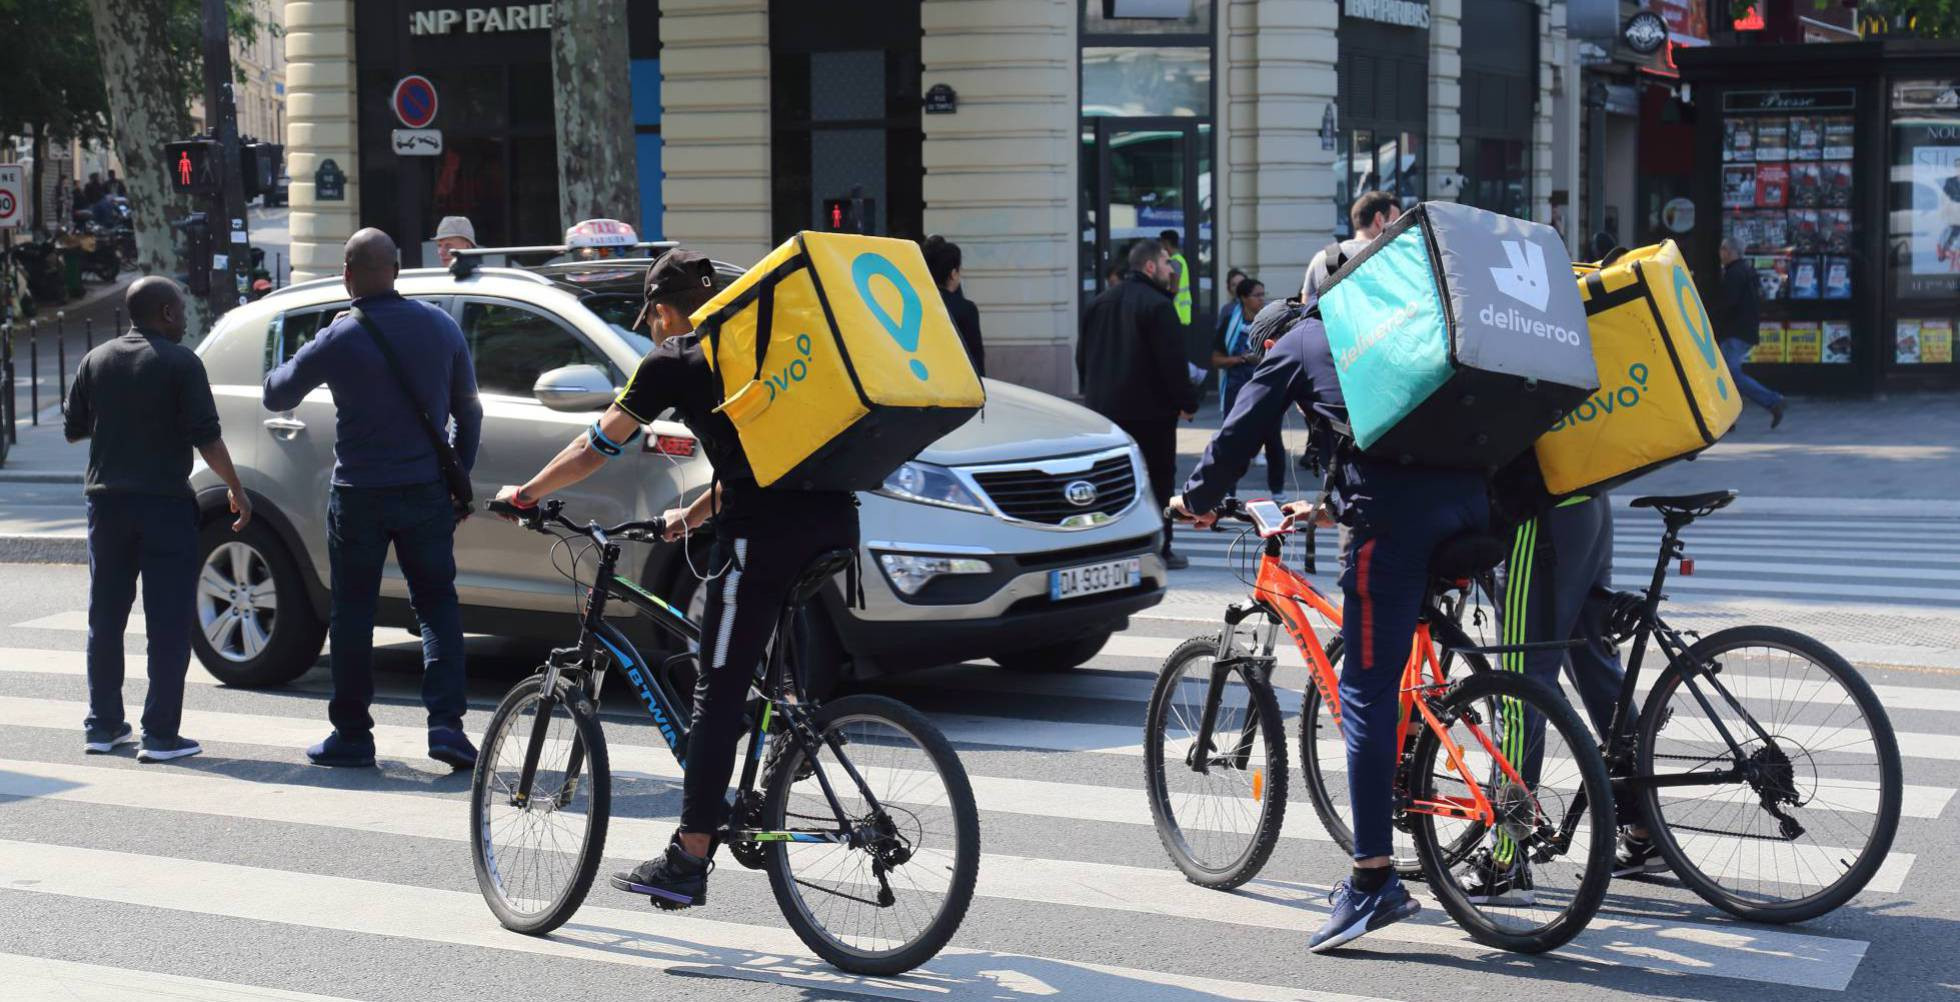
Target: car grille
[(1035, 496)]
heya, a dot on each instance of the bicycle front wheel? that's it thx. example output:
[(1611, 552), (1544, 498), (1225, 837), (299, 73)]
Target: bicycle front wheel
[(1218, 809), (535, 858), (1546, 856), (1811, 816), (883, 888)]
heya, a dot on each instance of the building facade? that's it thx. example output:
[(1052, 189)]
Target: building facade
[(1040, 135)]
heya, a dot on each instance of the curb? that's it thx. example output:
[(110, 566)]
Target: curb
[(31, 477), (25, 549)]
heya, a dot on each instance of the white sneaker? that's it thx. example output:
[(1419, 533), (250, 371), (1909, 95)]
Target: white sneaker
[(1259, 460)]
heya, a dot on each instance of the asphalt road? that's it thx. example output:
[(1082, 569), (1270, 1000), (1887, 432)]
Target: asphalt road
[(246, 873)]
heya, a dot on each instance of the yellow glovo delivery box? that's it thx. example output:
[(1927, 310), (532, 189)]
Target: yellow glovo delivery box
[(838, 361), (1664, 391)]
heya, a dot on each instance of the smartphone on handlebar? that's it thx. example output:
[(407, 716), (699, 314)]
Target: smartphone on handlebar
[(1267, 517)]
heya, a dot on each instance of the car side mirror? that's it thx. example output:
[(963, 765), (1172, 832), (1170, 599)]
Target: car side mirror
[(575, 389)]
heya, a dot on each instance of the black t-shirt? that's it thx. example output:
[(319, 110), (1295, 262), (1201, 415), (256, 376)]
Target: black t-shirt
[(676, 374)]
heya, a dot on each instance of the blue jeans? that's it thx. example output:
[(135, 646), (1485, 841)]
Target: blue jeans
[(1733, 349), (361, 524), (1275, 446), (1399, 522), (155, 537)]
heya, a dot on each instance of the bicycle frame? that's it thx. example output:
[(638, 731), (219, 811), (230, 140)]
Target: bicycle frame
[(1619, 750), (602, 644)]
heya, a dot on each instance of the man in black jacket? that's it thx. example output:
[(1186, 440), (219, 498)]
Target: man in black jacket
[(1131, 368), (1735, 325)]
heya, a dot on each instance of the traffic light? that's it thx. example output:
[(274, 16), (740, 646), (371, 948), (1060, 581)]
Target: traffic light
[(193, 166), (259, 166), (849, 215), (196, 229)]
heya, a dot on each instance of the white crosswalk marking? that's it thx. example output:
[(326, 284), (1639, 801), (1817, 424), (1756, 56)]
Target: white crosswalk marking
[(31, 978)]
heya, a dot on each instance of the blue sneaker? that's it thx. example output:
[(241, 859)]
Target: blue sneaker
[(452, 748), (102, 740), (1357, 914), (341, 753)]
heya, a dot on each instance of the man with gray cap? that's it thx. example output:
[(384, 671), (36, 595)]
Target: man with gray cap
[(454, 233), (764, 538)]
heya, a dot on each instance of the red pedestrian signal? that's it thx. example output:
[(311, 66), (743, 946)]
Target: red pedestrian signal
[(193, 166)]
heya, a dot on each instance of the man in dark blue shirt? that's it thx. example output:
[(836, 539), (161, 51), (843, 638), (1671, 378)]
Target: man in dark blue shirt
[(1396, 517), (144, 403), (388, 489)]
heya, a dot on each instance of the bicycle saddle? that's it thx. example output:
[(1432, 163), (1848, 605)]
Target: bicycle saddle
[(827, 565), (1466, 556), (1694, 505)]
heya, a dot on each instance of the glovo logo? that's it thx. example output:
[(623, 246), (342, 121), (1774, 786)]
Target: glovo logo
[(1699, 327), (905, 329), (1607, 401), (795, 372)]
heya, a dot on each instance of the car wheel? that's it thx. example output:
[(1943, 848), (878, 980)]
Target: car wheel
[(255, 625), (1054, 657)]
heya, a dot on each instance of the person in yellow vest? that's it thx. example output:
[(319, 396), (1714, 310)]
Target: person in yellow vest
[(1180, 284)]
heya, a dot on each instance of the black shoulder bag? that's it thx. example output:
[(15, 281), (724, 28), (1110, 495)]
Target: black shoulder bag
[(462, 497)]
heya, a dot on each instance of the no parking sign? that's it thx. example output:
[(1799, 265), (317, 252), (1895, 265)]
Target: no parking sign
[(13, 195), (414, 101)]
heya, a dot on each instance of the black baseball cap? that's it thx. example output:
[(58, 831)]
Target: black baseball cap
[(675, 272)]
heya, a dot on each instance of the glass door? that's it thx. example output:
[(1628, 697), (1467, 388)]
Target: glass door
[(1146, 179)]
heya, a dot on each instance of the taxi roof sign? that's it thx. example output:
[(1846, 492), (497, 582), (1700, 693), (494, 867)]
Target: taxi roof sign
[(600, 233)]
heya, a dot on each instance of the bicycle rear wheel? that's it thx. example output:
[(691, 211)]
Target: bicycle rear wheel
[(1218, 810), (535, 860), (1323, 754), (1543, 868), (1831, 767), (892, 900)]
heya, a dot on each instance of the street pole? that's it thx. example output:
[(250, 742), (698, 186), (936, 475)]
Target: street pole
[(226, 209)]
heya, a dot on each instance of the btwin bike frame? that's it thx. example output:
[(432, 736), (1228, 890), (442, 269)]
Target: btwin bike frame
[(601, 642)]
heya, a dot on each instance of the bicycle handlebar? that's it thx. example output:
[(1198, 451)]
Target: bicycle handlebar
[(1229, 510), (549, 512)]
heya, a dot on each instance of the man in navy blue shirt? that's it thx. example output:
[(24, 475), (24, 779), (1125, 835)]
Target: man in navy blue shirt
[(388, 489), (1396, 517)]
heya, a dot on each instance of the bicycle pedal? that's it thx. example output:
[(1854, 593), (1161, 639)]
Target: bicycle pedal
[(667, 906)]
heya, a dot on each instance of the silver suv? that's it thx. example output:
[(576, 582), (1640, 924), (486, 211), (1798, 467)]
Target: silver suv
[(1026, 535)]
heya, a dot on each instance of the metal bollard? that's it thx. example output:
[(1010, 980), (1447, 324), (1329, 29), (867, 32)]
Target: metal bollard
[(61, 353), (7, 404), (88, 332), (117, 332), (34, 371)]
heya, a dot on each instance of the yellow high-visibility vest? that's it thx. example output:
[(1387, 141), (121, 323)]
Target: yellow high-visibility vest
[(1181, 296)]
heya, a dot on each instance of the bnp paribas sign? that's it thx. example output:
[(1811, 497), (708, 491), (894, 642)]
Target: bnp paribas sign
[(480, 20), (1401, 13)]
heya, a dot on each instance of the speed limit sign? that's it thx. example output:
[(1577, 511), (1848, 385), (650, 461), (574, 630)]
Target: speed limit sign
[(13, 198)]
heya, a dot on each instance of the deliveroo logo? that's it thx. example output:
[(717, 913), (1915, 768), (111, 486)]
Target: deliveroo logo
[(904, 330), (1699, 328), (1524, 278)]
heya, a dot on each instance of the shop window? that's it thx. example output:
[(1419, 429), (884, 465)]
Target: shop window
[(513, 346), (1496, 175), (1146, 17), (1925, 220)]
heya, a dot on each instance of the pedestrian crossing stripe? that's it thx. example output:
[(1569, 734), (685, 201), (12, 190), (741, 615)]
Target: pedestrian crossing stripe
[(29, 978), (1708, 949), (640, 938), (1011, 795)]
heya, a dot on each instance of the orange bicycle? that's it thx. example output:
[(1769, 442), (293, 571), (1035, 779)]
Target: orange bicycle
[(1499, 786)]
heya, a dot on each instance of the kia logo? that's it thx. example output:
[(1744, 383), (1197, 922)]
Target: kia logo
[(1080, 493)]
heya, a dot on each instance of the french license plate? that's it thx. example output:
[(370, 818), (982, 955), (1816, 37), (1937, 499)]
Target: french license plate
[(1116, 575)]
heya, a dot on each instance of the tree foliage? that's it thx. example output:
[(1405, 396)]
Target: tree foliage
[(53, 79)]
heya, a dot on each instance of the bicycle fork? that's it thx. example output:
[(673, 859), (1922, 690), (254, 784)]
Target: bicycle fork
[(1258, 669)]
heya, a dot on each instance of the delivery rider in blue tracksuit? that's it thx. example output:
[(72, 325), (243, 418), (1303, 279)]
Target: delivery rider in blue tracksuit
[(1397, 517)]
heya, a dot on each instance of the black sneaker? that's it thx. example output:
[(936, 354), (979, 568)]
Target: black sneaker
[(1176, 561), (165, 749), (452, 748), (337, 751), (1637, 857), (101, 741), (673, 881), (1499, 885)]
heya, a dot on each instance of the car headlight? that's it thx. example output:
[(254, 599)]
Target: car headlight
[(929, 483), (910, 573)]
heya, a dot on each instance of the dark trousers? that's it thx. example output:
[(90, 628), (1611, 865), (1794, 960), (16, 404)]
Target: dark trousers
[(362, 522), (1275, 445), (1157, 439), (155, 537), (1385, 571), (743, 606)]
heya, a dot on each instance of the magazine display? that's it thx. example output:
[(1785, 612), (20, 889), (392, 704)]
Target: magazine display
[(1837, 342)]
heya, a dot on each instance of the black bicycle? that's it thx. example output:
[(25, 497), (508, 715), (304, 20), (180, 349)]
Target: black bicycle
[(1762, 763), (872, 852)]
